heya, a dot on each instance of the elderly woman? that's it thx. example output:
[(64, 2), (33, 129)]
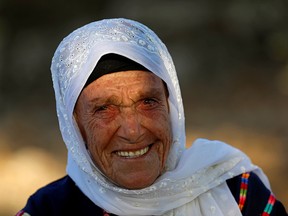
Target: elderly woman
[(121, 117)]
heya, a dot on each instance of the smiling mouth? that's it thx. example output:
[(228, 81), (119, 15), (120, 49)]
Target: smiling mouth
[(133, 154)]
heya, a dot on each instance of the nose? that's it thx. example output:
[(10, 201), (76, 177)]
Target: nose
[(130, 128)]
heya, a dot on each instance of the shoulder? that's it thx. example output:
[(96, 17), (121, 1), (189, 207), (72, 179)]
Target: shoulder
[(58, 190), (253, 197), (60, 197)]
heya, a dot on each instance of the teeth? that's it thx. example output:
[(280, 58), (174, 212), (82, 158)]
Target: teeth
[(132, 154)]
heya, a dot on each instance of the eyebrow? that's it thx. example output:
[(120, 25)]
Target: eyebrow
[(153, 92), (113, 99), (99, 100)]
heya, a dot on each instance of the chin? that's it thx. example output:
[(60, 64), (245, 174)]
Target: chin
[(136, 183), (137, 186)]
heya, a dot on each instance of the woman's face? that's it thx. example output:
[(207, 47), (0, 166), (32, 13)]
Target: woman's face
[(124, 120)]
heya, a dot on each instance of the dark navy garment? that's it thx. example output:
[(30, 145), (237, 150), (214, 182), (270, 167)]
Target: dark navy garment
[(63, 197), (60, 198), (257, 197)]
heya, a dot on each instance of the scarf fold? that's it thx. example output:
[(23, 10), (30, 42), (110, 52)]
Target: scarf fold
[(194, 180)]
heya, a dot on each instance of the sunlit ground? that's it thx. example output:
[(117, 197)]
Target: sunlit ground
[(25, 170)]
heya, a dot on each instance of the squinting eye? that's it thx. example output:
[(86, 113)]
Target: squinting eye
[(101, 108), (150, 103), (105, 111)]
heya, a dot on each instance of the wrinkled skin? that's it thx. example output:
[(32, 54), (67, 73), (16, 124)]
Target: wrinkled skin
[(124, 120)]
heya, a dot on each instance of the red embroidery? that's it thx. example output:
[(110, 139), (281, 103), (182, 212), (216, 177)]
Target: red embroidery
[(105, 213), (243, 190), (20, 213), (269, 206)]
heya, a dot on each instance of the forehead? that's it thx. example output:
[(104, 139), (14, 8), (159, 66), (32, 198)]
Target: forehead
[(134, 79), (134, 84)]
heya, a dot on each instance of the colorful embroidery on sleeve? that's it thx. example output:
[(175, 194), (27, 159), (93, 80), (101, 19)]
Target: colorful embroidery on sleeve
[(243, 190), (243, 196), (105, 213), (269, 206), (22, 213)]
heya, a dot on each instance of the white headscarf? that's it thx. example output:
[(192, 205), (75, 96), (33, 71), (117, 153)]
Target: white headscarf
[(194, 180)]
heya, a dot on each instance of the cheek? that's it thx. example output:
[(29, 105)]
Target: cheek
[(93, 140), (167, 137), (160, 126), (96, 136), (94, 129), (98, 139)]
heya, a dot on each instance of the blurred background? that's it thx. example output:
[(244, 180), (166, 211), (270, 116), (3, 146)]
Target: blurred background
[(232, 61)]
